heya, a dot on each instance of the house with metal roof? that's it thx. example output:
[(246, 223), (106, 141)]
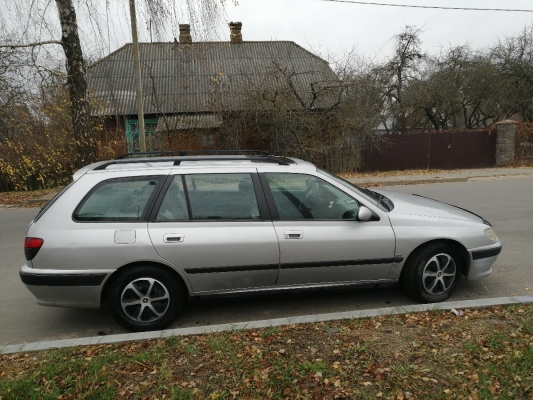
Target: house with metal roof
[(191, 90)]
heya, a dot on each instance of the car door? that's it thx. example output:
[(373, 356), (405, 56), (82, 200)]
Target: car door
[(216, 227), (320, 239)]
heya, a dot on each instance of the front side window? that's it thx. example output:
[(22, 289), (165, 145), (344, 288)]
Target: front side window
[(366, 193), (300, 196), (222, 196), (118, 200)]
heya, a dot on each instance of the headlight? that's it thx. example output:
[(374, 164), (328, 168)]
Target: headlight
[(490, 234)]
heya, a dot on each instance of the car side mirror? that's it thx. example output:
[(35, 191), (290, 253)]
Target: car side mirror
[(364, 214)]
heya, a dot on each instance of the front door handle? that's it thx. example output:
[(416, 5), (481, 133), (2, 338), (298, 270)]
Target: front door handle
[(173, 237), (293, 234)]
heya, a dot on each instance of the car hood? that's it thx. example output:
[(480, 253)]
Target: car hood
[(412, 204)]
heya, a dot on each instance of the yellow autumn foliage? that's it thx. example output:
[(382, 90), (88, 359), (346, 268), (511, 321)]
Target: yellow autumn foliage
[(41, 151)]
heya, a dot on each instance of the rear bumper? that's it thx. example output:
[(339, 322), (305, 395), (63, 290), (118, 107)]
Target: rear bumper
[(482, 259), (60, 288)]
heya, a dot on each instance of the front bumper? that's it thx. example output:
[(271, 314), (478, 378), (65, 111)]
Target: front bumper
[(65, 288), (482, 259)]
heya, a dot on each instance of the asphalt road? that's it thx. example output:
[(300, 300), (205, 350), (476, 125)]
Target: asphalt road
[(507, 204)]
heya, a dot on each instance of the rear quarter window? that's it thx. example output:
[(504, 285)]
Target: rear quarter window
[(125, 199)]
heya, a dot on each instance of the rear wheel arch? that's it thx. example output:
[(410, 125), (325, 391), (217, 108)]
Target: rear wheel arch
[(182, 280)]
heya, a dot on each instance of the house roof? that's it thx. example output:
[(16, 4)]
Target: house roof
[(207, 77)]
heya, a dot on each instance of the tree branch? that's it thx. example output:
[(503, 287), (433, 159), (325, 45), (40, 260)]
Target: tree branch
[(12, 46)]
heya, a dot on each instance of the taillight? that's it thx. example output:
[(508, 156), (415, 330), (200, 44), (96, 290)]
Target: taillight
[(32, 246)]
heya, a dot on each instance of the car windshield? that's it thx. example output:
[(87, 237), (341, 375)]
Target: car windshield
[(367, 194)]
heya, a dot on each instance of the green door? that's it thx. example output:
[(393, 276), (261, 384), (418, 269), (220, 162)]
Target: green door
[(153, 139)]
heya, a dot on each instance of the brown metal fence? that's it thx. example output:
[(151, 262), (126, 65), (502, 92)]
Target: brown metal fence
[(439, 150), (339, 159)]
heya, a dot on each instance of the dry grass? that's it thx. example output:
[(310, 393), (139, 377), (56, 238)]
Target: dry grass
[(485, 354)]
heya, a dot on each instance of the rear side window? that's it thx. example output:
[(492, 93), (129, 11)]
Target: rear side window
[(209, 197), (222, 196), (118, 200)]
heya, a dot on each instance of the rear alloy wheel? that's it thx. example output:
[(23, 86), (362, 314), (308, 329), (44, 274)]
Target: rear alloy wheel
[(432, 273), (145, 298)]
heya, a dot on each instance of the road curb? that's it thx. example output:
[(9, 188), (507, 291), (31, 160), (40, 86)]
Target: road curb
[(400, 181), (198, 330), (421, 180)]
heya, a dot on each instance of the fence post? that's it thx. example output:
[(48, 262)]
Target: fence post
[(505, 142)]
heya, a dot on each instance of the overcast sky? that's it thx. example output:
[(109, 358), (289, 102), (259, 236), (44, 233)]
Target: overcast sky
[(340, 26), (322, 26)]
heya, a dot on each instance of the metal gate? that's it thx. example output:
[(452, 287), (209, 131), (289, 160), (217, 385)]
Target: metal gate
[(441, 150)]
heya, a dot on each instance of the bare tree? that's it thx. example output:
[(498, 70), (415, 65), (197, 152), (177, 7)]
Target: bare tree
[(159, 13), (76, 83), (513, 59), (309, 115), (395, 76)]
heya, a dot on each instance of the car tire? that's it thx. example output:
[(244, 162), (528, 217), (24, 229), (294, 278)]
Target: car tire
[(145, 298), (432, 273)]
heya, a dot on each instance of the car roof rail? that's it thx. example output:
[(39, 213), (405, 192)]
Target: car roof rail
[(177, 160), (189, 152)]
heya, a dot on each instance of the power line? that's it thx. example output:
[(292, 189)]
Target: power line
[(432, 7)]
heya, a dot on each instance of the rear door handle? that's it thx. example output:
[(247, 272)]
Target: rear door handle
[(293, 234), (173, 237)]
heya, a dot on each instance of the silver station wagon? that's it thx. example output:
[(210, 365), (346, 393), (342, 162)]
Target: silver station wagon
[(146, 234)]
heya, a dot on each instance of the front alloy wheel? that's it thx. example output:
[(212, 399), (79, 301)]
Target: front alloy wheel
[(432, 272), (439, 274)]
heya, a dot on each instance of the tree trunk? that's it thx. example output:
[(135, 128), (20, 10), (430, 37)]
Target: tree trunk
[(77, 85)]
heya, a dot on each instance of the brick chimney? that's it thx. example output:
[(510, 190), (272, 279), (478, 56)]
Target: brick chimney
[(235, 34), (185, 34)]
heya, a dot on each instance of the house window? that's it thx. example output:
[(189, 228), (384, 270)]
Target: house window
[(208, 140), (153, 139)]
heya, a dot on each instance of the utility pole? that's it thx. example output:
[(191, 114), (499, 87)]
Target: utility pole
[(138, 82)]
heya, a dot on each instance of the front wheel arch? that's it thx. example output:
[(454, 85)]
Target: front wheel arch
[(415, 273), (465, 255)]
